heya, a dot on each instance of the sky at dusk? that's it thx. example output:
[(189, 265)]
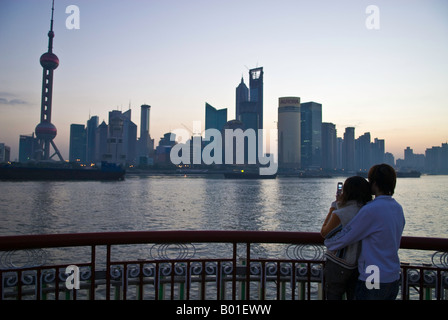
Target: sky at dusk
[(178, 55)]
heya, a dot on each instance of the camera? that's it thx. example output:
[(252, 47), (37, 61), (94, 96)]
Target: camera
[(339, 190)]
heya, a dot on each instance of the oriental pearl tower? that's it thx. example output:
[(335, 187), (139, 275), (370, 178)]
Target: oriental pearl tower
[(45, 130)]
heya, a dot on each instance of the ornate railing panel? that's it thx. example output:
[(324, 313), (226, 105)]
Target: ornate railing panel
[(191, 265)]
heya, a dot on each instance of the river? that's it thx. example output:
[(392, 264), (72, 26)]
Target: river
[(201, 203)]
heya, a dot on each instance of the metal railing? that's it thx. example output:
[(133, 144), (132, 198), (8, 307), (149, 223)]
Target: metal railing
[(190, 265)]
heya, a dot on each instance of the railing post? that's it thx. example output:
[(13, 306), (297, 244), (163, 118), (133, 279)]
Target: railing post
[(248, 262), (108, 271), (234, 261), (93, 273), (243, 283)]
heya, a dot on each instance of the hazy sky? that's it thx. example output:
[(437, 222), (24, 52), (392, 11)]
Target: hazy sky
[(178, 55)]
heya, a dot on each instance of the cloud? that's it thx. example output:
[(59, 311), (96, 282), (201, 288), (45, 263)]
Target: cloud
[(12, 102)]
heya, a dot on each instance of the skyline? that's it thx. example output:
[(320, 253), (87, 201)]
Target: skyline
[(177, 57)]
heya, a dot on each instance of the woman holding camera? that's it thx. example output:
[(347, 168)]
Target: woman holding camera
[(341, 268), (379, 226)]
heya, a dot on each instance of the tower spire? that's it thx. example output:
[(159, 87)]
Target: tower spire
[(52, 14), (51, 33)]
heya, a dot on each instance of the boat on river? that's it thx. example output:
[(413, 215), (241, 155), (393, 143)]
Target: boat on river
[(247, 174), (60, 171)]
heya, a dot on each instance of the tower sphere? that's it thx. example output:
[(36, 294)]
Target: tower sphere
[(49, 61), (45, 130)]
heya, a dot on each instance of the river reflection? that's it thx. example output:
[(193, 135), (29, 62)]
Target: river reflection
[(198, 203)]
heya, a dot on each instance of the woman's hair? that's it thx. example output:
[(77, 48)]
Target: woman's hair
[(355, 188), (384, 176)]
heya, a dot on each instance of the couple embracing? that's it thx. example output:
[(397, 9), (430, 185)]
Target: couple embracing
[(363, 237)]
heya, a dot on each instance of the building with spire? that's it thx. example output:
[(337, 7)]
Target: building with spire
[(249, 103), (242, 95)]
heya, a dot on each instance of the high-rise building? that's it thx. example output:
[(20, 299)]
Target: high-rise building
[(377, 152), (78, 143), (116, 150), (5, 153), (249, 101), (214, 119), (289, 151), (162, 151), (329, 146), (230, 145), (122, 138), (242, 95), (145, 143), (101, 141), (256, 93), (389, 159), (411, 161), (28, 145), (436, 159), (348, 150), (311, 135), (129, 138), (92, 126), (249, 104), (339, 152), (363, 160), (144, 120)]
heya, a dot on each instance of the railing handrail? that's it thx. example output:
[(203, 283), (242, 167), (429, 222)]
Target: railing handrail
[(18, 242)]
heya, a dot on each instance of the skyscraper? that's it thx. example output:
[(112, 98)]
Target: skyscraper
[(144, 119), (242, 95), (249, 103), (348, 149), (101, 141), (129, 138), (5, 153), (377, 151), (78, 143), (115, 150), (329, 146), (92, 125), (28, 145), (289, 133), (311, 131), (363, 160), (230, 144), (256, 93), (45, 130), (214, 119), (436, 159), (145, 143)]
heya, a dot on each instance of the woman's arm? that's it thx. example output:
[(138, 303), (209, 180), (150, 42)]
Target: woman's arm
[(331, 221)]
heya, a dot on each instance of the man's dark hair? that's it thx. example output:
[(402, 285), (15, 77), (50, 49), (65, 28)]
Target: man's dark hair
[(384, 176)]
